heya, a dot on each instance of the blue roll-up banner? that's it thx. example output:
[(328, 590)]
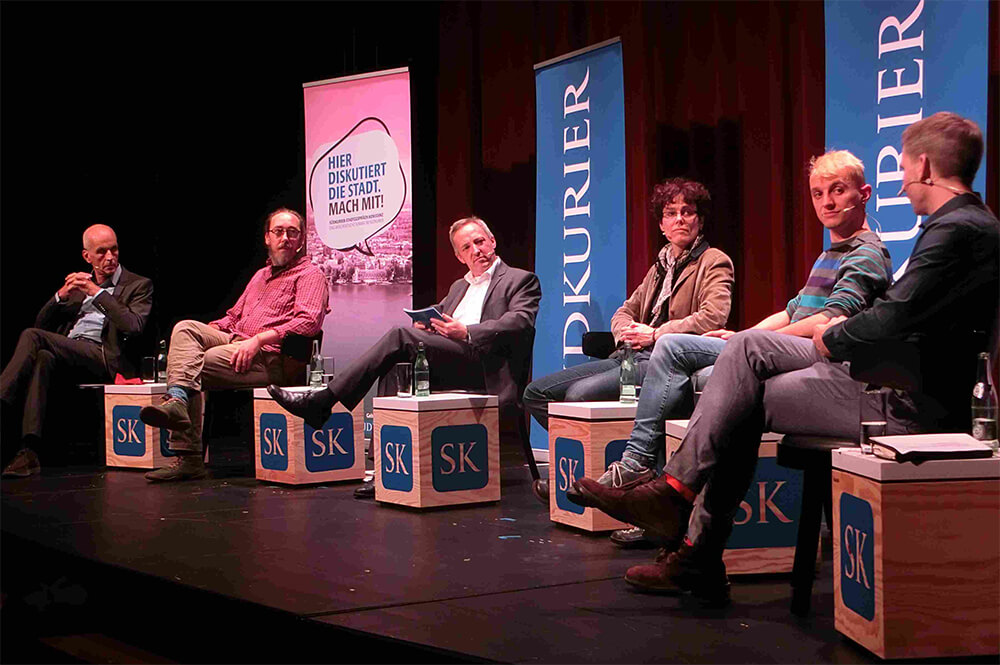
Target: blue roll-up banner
[(579, 204), (890, 63)]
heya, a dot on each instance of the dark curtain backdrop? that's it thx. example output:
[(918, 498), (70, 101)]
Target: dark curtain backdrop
[(727, 93), (180, 124)]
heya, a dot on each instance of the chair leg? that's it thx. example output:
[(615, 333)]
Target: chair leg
[(804, 566), (529, 455)]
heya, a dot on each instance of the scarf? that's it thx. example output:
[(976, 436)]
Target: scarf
[(669, 263)]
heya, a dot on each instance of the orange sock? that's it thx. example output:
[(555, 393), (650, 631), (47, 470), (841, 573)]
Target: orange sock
[(681, 488)]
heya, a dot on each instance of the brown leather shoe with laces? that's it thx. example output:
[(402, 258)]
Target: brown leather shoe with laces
[(171, 413), (683, 571), (655, 506)]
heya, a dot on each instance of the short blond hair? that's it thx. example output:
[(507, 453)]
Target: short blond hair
[(835, 163), (468, 220)]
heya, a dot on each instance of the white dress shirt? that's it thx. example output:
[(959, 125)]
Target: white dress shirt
[(470, 310)]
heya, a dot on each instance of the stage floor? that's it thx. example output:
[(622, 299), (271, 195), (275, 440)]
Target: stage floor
[(232, 569)]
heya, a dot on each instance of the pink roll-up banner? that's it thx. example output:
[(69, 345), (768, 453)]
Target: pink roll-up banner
[(358, 204)]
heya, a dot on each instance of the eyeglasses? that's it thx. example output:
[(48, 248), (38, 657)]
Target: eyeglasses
[(687, 213), (292, 234)]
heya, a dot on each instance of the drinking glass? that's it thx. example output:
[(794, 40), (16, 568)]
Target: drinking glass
[(328, 366), (872, 416), (148, 369), (404, 376)]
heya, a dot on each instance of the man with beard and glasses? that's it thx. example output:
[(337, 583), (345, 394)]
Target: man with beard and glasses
[(242, 349)]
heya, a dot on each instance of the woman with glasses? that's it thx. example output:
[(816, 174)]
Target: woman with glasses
[(687, 290)]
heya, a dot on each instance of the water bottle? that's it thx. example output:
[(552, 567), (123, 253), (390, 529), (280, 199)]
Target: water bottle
[(161, 363), (626, 376), (421, 373), (984, 405), (316, 367)]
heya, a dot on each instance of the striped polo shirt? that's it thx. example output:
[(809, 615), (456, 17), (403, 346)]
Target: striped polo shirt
[(845, 279)]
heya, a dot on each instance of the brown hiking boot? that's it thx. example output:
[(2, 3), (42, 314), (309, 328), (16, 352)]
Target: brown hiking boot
[(685, 570), (171, 413), (24, 464), (185, 467), (655, 506)]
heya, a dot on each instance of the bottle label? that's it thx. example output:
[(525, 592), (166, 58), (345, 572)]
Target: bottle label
[(979, 390), (984, 429)]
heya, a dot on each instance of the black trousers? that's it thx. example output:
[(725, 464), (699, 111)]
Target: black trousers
[(41, 357), (453, 364)]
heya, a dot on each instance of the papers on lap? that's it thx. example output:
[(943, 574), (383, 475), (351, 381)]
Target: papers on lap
[(919, 447), (424, 315)]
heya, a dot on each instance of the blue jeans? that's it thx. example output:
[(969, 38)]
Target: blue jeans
[(665, 390), (594, 381)]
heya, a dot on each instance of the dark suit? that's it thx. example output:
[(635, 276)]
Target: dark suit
[(496, 358), (45, 348)]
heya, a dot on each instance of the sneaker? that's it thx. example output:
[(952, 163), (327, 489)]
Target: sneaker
[(171, 413), (683, 571), (622, 476), (24, 464), (184, 467), (633, 538), (618, 476)]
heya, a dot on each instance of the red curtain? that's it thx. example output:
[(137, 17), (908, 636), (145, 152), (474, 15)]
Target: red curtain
[(728, 93)]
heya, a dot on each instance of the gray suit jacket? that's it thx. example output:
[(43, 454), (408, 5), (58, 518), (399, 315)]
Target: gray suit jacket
[(125, 316), (504, 337)]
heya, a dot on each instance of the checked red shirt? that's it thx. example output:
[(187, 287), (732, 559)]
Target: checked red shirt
[(291, 300)]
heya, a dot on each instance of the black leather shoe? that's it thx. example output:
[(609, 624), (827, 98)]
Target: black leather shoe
[(540, 488), (366, 491), (312, 406)]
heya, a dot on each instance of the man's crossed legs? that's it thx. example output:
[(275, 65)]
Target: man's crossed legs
[(761, 381), (199, 360)]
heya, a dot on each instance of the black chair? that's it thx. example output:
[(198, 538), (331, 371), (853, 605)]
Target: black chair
[(523, 417), (296, 352), (812, 456)]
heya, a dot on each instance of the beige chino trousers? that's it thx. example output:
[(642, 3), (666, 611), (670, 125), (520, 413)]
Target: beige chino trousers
[(199, 360)]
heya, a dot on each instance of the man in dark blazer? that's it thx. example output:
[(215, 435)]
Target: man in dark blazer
[(482, 341), (84, 333)]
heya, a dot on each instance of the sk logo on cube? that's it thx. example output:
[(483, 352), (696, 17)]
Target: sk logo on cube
[(330, 448), (397, 458), (568, 468), (129, 431), (857, 555), (273, 441), (613, 451), (459, 458)]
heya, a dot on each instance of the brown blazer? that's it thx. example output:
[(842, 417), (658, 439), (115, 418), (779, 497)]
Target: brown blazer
[(699, 301)]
